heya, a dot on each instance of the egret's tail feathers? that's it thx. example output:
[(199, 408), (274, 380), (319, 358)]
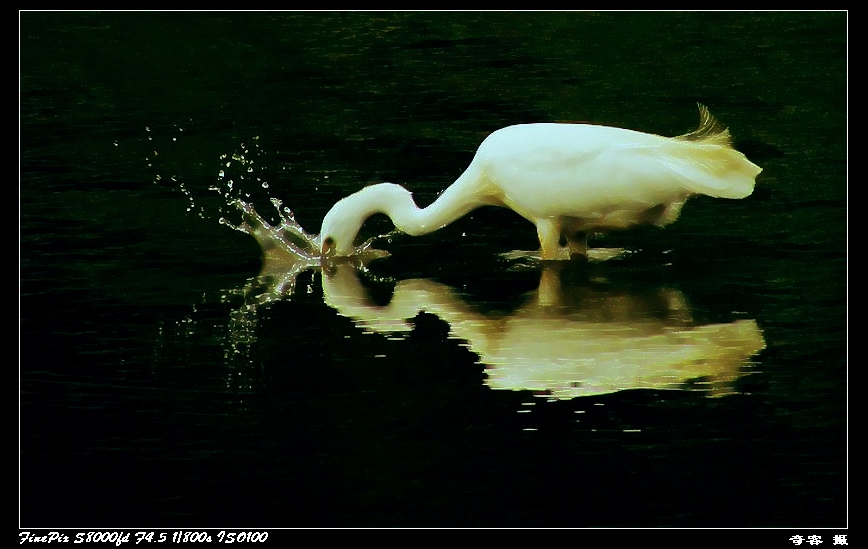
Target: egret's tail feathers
[(715, 171), (707, 164), (710, 130)]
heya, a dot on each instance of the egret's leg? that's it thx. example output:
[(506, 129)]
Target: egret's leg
[(549, 234), (578, 245), (669, 214)]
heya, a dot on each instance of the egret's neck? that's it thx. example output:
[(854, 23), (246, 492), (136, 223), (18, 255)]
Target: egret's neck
[(345, 219), (397, 202)]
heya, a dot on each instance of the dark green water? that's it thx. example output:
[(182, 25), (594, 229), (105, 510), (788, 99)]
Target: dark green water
[(153, 393)]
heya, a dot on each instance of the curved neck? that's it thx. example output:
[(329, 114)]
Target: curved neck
[(347, 216), (397, 202)]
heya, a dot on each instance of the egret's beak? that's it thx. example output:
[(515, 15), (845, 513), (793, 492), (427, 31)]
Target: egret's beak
[(328, 247)]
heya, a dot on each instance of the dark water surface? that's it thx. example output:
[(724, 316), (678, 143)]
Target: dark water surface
[(163, 385)]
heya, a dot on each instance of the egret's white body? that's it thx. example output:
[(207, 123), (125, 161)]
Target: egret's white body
[(567, 179)]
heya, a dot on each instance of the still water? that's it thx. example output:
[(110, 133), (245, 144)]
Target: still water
[(174, 375)]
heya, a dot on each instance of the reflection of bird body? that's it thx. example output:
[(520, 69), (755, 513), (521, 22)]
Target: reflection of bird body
[(573, 344), (567, 179), (569, 359)]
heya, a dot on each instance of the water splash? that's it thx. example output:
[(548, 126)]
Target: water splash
[(244, 176), (289, 239), (289, 252), (288, 236)]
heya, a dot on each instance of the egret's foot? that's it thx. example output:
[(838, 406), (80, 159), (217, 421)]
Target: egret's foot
[(533, 258), (592, 254), (518, 255), (563, 254), (605, 254)]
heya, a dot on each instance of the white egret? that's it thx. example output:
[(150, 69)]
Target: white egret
[(567, 179)]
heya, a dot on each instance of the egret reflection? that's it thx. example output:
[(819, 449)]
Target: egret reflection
[(567, 339), (567, 342)]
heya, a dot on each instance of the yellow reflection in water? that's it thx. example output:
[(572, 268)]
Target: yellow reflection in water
[(568, 342)]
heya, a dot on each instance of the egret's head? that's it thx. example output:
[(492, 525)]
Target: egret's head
[(339, 229), (344, 221)]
